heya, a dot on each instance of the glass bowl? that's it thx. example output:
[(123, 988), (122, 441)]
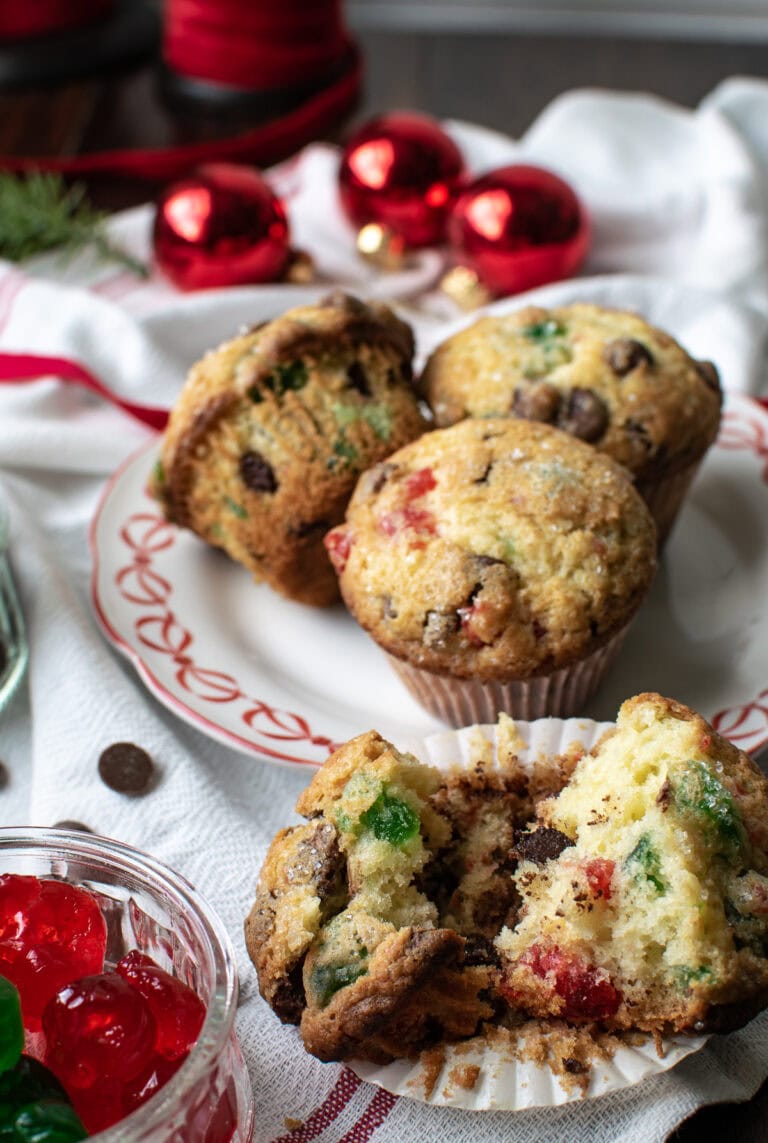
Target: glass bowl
[(148, 907), (13, 638)]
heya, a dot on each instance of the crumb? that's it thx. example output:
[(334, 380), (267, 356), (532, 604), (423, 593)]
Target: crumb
[(481, 748), (292, 1124), (431, 1062), (464, 1075), (509, 741), (658, 1040)]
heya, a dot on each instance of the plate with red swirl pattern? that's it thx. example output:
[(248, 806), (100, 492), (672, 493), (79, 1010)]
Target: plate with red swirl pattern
[(285, 682)]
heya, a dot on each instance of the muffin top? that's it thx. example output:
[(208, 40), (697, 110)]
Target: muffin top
[(605, 376), (272, 429), (494, 549)]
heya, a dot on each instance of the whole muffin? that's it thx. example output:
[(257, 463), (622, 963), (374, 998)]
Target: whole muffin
[(499, 563), (606, 376), (272, 429), (648, 905)]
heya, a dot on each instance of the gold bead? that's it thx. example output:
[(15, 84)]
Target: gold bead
[(463, 286), (301, 269), (379, 246)]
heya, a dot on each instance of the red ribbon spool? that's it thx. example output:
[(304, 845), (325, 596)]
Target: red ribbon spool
[(21, 21)]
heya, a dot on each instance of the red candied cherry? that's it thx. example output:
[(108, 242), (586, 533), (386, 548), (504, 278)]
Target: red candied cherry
[(98, 1028), (416, 519), (178, 1011), (50, 933), (599, 872), (468, 617), (338, 544), (585, 989), (418, 483), (143, 1086)]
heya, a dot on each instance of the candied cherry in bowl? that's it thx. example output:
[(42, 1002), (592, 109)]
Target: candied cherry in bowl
[(125, 982)]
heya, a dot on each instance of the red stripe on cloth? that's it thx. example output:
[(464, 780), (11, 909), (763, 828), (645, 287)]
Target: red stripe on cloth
[(329, 1110), (18, 368), (262, 145), (372, 1118)]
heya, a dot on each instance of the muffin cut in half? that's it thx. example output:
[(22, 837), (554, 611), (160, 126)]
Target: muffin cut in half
[(645, 883), (373, 922), (607, 376), (272, 429), (499, 563)]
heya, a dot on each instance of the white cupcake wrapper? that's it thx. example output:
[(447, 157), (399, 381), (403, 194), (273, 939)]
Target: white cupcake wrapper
[(503, 1083)]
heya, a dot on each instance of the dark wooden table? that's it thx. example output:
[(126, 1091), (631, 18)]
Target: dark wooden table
[(501, 81)]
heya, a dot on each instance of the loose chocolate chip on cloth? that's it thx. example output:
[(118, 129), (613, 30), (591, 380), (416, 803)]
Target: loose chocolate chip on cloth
[(126, 768), (69, 823)]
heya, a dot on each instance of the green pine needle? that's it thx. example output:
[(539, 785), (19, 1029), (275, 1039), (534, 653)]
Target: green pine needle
[(40, 213)]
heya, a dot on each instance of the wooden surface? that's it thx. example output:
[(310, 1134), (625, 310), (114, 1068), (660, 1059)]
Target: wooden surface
[(502, 81)]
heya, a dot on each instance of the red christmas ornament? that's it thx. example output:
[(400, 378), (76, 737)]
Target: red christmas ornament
[(519, 227), (400, 170), (222, 226)]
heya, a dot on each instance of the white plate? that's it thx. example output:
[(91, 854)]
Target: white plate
[(286, 682)]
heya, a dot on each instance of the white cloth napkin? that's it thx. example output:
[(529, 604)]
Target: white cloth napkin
[(679, 201)]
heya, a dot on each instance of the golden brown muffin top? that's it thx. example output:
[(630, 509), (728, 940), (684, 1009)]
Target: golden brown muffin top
[(494, 549), (604, 375)]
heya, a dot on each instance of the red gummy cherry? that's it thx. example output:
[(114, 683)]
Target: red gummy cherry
[(178, 1011), (50, 933), (586, 990), (154, 1076), (98, 1028), (599, 872), (338, 544)]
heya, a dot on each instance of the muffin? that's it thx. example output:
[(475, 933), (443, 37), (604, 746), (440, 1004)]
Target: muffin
[(498, 563), (373, 922), (272, 429), (645, 883), (606, 376)]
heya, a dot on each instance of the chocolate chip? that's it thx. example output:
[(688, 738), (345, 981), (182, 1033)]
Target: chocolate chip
[(584, 415), (68, 823), (357, 379), (539, 629), (406, 371), (374, 479), (625, 354), (307, 527), (439, 626), (478, 950), (126, 768), (486, 561), (5, 777), (639, 432), (543, 844), (537, 402), (708, 372), (388, 607), (256, 473), (574, 1066)]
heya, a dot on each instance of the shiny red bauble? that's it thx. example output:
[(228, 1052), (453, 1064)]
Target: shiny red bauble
[(221, 226), (401, 170), (519, 227)]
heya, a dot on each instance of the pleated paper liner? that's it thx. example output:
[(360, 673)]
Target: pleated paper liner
[(483, 1074)]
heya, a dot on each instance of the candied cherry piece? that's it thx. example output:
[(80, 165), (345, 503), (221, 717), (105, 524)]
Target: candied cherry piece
[(178, 1011), (598, 872), (50, 933), (586, 990), (98, 1028), (338, 544), (391, 819), (147, 1082), (420, 482)]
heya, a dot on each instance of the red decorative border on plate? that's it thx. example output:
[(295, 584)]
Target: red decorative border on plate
[(157, 628), (747, 724)]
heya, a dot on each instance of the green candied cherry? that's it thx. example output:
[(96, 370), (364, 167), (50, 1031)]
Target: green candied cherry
[(645, 862), (47, 1122), (391, 819), (11, 1026), (34, 1107), (288, 375), (685, 975), (328, 979), (544, 331), (699, 792)]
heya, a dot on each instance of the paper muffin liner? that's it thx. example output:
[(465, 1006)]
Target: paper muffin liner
[(665, 497), (460, 702), (501, 1082)]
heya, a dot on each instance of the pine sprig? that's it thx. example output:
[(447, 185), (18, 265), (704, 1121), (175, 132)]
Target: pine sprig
[(40, 213)]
